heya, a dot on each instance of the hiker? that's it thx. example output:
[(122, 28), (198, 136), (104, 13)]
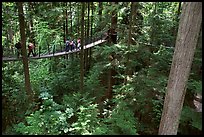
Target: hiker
[(18, 47), (67, 45), (30, 49), (72, 45), (78, 43)]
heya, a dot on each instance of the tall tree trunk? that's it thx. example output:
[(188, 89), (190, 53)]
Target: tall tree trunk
[(87, 29), (32, 34), (85, 32), (114, 18), (78, 20), (66, 24), (92, 12), (10, 37), (64, 30), (129, 41), (71, 17), (153, 28), (188, 32), (111, 72), (100, 14), (82, 48), (177, 22), (88, 22), (85, 21), (24, 52)]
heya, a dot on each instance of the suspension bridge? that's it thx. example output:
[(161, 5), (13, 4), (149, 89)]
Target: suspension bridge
[(59, 51)]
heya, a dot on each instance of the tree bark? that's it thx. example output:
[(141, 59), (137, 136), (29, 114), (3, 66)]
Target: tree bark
[(188, 32), (78, 17), (177, 21), (114, 18), (92, 15), (87, 37), (82, 48), (111, 71), (24, 52), (128, 70), (66, 22), (32, 34), (71, 17), (100, 11), (100, 14)]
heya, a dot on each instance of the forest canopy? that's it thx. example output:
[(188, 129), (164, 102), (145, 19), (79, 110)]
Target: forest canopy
[(99, 68)]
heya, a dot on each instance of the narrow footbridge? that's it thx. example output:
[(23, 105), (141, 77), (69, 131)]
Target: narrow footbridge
[(89, 43)]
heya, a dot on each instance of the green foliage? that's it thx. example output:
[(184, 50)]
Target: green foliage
[(51, 119), (92, 82), (40, 76), (136, 106), (87, 120), (14, 98), (190, 117), (85, 113), (121, 120), (67, 78), (195, 86)]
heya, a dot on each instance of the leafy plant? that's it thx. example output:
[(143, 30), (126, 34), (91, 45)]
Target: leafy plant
[(51, 119)]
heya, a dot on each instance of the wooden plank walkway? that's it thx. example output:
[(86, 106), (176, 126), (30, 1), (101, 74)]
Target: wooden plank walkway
[(55, 54)]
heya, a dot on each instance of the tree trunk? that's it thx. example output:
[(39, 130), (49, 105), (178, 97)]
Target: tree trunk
[(88, 22), (187, 37), (66, 24), (78, 21), (71, 17), (92, 12), (82, 48), (100, 14), (64, 30), (177, 21), (32, 34), (111, 72), (114, 18), (153, 29), (24, 52), (87, 29), (128, 71)]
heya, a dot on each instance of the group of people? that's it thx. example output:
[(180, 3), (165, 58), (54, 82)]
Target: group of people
[(72, 44), (30, 49)]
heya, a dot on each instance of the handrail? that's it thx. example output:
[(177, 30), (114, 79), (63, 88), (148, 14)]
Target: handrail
[(58, 48), (55, 54)]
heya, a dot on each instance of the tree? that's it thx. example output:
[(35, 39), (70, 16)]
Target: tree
[(24, 53), (111, 71), (187, 37), (82, 48), (129, 41), (66, 24)]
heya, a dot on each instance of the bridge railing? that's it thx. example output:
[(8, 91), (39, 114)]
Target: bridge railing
[(52, 49)]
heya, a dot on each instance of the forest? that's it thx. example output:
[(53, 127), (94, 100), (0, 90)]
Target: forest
[(101, 68)]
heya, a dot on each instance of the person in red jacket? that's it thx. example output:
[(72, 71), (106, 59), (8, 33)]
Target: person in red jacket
[(30, 49)]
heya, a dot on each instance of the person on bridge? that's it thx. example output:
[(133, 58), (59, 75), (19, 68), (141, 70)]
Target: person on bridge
[(67, 45), (30, 49), (18, 47), (111, 36), (72, 45), (78, 43)]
